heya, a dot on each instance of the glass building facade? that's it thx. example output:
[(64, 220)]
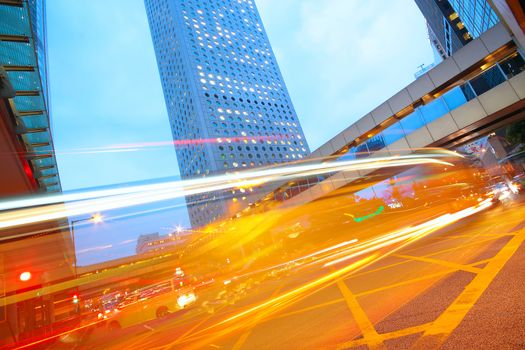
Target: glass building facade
[(228, 105), (477, 15), (37, 13), (444, 39), (23, 58), (454, 23)]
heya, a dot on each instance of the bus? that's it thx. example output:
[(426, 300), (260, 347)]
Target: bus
[(153, 302)]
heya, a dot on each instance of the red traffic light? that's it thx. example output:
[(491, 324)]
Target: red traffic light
[(25, 276)]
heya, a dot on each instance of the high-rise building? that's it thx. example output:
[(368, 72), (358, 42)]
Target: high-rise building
[(37, 255), (477, 15), (24, 58), (155, 243), (452, 24), (227, 102), (446, 32)]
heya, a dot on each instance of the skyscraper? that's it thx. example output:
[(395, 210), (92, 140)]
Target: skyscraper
[(477, 15), (34, 255), (24, 58), (454, 23), (227, 102), (445, 30)]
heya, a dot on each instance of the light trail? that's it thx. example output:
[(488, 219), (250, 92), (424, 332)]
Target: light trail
[(319, 252), (40, 341), (269, 306), (256, 175), (261, 311), (53, 207), (406, 234)]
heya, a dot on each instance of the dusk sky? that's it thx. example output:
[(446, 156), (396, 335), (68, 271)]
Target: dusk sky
[(339, 59)]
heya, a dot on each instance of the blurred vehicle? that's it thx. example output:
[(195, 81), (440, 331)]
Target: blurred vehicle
[(520, 178), (514, 187), (502, 191), (153, 302), (181, 279), (518, 182)]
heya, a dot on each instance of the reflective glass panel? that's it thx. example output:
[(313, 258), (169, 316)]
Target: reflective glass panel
[(487, 80), (412, 122), (393, 133), (454, 98), (513, 65), (433, 110)]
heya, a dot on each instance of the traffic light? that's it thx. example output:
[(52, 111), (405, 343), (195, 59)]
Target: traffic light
[(75, 299)]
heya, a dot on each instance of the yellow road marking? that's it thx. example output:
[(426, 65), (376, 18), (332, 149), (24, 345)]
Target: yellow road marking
[(385, 336), (427, 255), (335, 301), (154, 332), (406, 331), (378, 269), (480, 262), (189, 331), (402, 283), (373, 340), (445, 324), (300, 311), (242, 339), (472, 242), (440, 262)]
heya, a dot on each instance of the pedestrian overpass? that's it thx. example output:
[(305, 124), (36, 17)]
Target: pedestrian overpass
[(472, 93)]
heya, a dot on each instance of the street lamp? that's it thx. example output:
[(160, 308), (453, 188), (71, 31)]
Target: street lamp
[(95, 218)]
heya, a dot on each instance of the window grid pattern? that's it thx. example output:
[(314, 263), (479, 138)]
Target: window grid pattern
[(477, 15), (227, 102)]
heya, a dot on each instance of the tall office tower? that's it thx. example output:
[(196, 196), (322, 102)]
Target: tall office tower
[(445, 30), (37, 13), (477, 15), (227, 102), (452, 24), (24, 58), (39, 254)]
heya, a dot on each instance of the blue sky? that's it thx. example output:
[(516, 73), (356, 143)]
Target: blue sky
[(339, 59)]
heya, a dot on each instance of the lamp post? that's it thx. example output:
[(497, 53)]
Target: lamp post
[(95, 218)]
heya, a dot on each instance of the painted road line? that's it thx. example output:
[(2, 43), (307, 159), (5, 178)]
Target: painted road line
[(469, 243), (402, 283), (373, 340), (447, 322), (440, 262), (386, 336), (309, 308), (242, 339)]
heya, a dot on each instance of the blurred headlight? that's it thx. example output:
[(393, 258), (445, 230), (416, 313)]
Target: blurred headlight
[(186, 299)]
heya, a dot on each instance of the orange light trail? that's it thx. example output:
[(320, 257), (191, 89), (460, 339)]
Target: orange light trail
[(276, 303), (406, 234), (40, 341), (402, 238), (53, 208)]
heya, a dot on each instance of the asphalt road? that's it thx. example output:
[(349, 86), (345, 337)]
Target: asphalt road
[(460, 287)]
